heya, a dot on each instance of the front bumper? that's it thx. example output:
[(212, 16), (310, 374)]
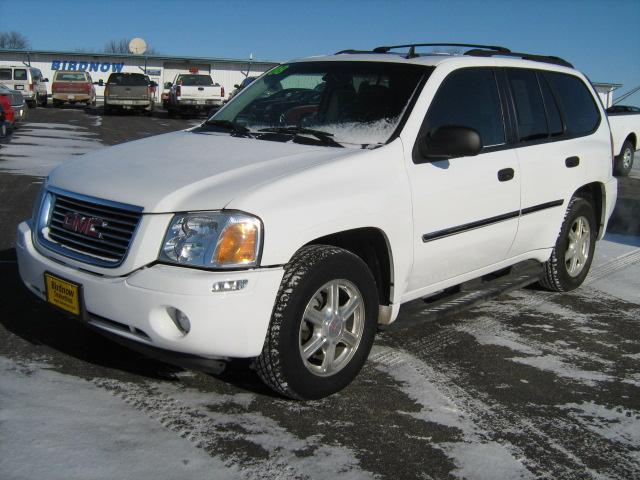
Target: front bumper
[(134, 307)]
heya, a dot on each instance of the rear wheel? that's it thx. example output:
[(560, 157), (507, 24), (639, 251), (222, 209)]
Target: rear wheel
[(323, 324), (624, 161), (57, 103), (43, 102), (572, 255)]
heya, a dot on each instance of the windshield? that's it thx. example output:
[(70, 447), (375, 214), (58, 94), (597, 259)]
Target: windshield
[(194, 80), (129, 79), (357, 104)]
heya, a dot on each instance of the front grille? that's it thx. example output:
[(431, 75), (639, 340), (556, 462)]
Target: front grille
[(112, 237)]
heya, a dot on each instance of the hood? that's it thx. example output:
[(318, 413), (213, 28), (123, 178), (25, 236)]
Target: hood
[(185, 170)]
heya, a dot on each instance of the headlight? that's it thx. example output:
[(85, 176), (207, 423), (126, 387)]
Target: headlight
[(213, 240)]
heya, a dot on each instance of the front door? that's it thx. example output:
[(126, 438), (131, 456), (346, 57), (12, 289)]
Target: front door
[(465, 210)]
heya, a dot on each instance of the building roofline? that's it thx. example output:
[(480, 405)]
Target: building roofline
[(129, 55)]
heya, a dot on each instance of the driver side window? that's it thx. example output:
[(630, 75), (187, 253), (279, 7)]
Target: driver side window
[(469, 98)]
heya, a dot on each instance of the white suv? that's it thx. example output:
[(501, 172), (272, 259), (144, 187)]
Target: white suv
[(328, 193)]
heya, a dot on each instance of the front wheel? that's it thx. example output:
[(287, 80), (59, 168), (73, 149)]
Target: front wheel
[(323, 324), (572, 255)]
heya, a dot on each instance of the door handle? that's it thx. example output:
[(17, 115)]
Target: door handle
[(571, 162), (505, 174)]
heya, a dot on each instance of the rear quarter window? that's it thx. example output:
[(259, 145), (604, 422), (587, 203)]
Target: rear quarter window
[(20, 74), (581, 113), (70, 77)]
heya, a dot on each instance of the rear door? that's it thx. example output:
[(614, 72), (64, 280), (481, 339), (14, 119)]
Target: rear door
[(465, 210), (128, 86), (197, 87), (21, 80), (552, 156)]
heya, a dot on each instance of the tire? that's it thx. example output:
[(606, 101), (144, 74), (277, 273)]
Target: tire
[(3, 129), (624, 161), (107, 110), (563, 273), (310, 277), (57, 103), (43, 103)]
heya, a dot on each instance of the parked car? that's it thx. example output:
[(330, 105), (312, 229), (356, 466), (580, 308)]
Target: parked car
[(28, 81), (17, 103), (8, 115), (4, 128), (238, 87), (194, 93), (72, 87), (129, 91), (290, 238), (625, 131)]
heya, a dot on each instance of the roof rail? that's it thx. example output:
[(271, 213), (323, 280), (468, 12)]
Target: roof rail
[(412, 47), (476, 51), (525, 56)]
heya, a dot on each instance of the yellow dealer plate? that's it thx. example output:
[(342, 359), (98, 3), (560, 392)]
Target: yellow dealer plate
[(62, 294)]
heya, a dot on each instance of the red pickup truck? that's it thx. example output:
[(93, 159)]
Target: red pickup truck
[(72, 87)]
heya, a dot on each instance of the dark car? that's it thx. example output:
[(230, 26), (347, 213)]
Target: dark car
[(129, 91)]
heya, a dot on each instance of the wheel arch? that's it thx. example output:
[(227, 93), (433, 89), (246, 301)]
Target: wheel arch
[(372, 245), (596, 194), (632, 138)]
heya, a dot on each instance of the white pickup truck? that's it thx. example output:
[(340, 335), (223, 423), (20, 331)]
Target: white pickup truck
[(329, 194), (194, 93), (625, 131)]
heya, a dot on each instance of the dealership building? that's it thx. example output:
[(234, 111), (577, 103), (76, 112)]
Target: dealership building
[(160, 68)]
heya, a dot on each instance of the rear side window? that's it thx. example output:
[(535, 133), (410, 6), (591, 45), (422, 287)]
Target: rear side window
[(532, 122), (554, 118), (577, 103), (5, 74), (469, 98), (19, 74)]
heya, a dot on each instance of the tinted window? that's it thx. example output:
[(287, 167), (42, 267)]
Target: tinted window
[(579, 107), (70, 77), (19, 74), (194, 80), (5, 74), (469, 98), (129, 79), (554, 119), (532, 123)]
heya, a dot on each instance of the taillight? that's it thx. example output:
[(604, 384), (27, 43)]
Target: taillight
[(106, 91), (87, 87), (31, 87), (178, 92), (222, 91)]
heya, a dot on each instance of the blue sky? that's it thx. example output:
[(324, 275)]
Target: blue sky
[(601, 38)]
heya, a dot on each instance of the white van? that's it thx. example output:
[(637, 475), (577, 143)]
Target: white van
[(27, 80)]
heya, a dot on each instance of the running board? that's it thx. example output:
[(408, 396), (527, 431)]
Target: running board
[(466, 295)]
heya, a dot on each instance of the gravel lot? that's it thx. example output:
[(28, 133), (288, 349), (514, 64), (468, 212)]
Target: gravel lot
[(528, 385)]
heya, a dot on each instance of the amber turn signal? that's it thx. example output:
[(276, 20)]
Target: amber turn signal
[(238, 244)]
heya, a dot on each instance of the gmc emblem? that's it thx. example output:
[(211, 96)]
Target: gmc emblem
[(84, 225)]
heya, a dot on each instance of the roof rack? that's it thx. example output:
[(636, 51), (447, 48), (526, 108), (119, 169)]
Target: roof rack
[(475, 51)]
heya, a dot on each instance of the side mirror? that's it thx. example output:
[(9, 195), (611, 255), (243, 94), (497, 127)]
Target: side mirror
[(450, 141), (236, 86), (168, 85), (99, 82), (45, 80), (153, 84)]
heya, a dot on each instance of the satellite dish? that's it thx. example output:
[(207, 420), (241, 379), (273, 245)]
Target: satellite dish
[(137, 46)]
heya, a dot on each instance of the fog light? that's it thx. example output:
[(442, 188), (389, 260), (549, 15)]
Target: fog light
[(180, 319), (229, 285)]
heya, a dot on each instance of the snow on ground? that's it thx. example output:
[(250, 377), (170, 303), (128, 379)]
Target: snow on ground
[(73, 429), (36, 148)]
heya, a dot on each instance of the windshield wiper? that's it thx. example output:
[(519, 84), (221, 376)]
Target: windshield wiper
[(324, 137), (232, 127)]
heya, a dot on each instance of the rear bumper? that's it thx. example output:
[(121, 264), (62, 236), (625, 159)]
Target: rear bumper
[(187, 102), (110, 102), (136, 307), (71, 97)]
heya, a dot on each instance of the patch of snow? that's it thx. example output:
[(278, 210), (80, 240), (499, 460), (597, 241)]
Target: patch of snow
[(553, 364), (56, 426), (616, 424), (485, 461)]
